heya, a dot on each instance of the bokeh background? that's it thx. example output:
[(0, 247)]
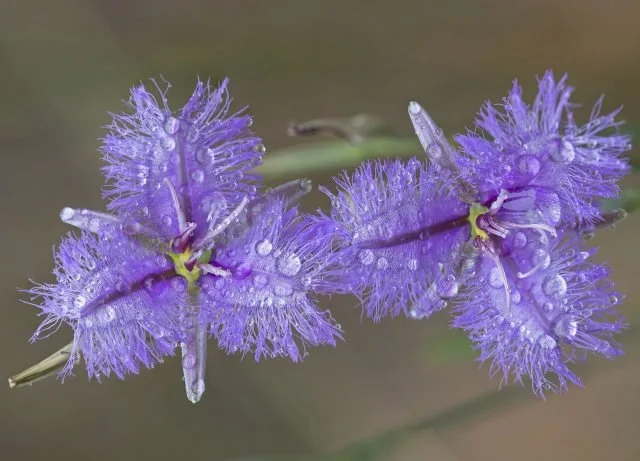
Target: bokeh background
[(63, 64)]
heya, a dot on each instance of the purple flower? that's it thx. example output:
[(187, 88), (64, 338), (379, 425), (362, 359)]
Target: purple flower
[(540, 152), (192, 248), (492, 230), (540, 307), (399, 229)]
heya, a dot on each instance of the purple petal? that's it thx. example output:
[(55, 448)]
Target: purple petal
[(384, 217), (265, 306), (204, 152), (118, 298), (560, 306)]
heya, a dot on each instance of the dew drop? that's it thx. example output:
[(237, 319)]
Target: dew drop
[(412, 264), (547, 342), (198, 387), (289, 264), (613, 299), (366, 257), (94, 225), (541, 259), (563, 152), (197, 176), (519, 240), (566, 327), (448, 287), (548, 307), (168, 144), (171, 125), (260, 280), (205, 156), (434, 150), (111, 313), (189, 361), (414, 108), (516, 297), (528, 165), (80, 302), (382, 263), (283, 289), (495, 278), (66, 214), (555, 286), (192, 135), (264, 247), (268, 301), (260, 148), (166, 219)]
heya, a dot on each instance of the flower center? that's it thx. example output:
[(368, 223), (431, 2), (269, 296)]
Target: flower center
[(187, 264)]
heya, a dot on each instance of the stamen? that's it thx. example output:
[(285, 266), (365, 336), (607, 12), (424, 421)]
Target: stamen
[(536, 226), (486, 247), (530, 272), (505, 282), (207, 240), (182, 220), (213, 270), (181, 242), (499, 201)]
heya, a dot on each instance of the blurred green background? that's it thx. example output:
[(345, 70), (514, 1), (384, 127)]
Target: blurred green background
[(65, 63)]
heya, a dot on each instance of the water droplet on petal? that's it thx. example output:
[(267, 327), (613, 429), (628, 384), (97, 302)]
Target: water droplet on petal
[(547, 342), (268, 301), (171, 125), (66, 213), (189, 361), (111, 313), (528, 165), (260, 148), (289, 264), (192, 134), (519, 240), (448, 287), (264, 247), (555, 286), (366, 257), (167, 220), (541, 258), (80, 301), (382, 263), (198, 387), (94, 225), (197, 176), (205, 156), (283, 289), (168, 144), (548, 307), (434, 151), (566, 327), (562, 151), (412, 264), (516, 297), (495, 278)]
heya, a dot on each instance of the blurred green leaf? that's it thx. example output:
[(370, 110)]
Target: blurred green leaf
[(455, 346), (628, 200), (333, 155)]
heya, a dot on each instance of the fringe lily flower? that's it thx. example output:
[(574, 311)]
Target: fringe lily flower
[(191, 248), (497, 220)]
